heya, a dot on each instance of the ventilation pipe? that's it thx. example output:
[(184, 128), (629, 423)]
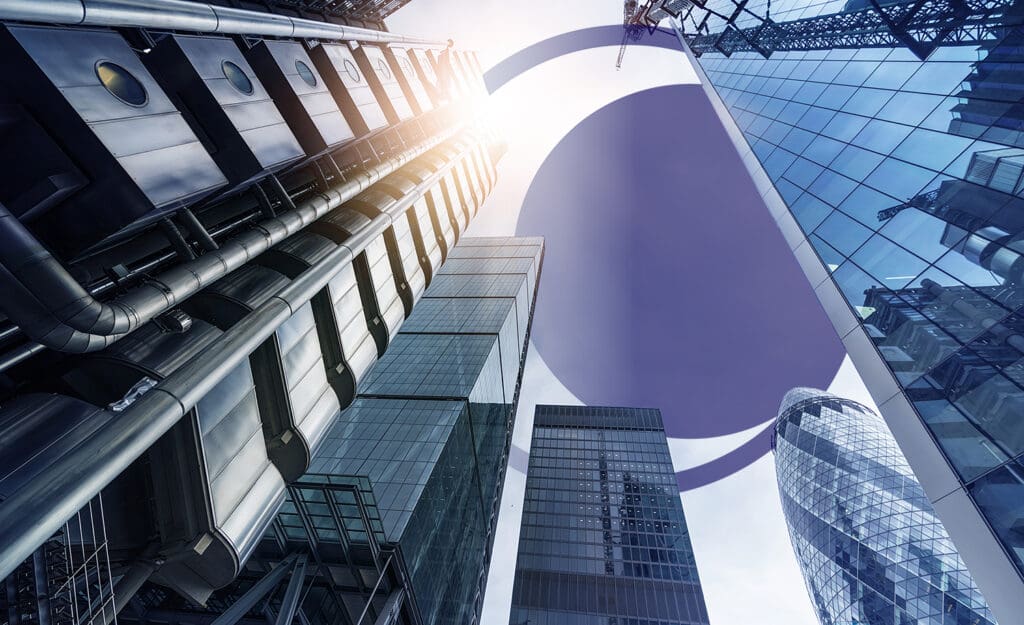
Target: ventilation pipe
[(51, 307)]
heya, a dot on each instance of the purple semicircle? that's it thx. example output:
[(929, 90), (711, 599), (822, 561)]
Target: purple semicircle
[(666, 282)]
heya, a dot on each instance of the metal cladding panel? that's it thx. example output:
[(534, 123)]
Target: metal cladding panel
[(356, 341), (459, 76), (355, 83), (225, 452), (443, 214), (246, 288), (389, 82), (312, 102), (460, 198), (426, 64), (253, 116), (465, 66), (37, 430), (346, 220), (407, 250), (377, 201), (313, 402), (413, 79), (430, 244), (484, 165), (245, 487), (474, 181), (143, 141), (388, 301)]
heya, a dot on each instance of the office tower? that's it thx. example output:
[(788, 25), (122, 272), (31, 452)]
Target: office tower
[(885, 141), (603, 538), (406, 485), (214, 226), (869, 544)]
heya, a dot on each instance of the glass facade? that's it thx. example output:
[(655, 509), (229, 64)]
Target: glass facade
[(904, 179), (866, 536), (431, 426), (603, 538)]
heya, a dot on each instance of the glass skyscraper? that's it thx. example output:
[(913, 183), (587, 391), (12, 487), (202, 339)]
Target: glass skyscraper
[(603, 538), (885, 139), (869, 544), (432, 427)]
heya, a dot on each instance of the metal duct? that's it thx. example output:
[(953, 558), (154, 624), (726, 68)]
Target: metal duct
[(350, 87), (31, 514), (191, 16), (53, 309)]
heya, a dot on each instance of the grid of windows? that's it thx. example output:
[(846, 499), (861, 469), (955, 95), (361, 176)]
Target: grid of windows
[(866, 536), (603, 536), (907, 178), (431, 429)]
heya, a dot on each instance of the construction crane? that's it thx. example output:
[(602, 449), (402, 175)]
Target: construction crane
[(637, 18), (919, 25)]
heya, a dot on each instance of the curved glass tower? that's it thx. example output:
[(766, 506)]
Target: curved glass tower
[(871, 549)]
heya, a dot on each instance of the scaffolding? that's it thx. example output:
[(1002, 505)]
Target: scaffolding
[(324, 561), (372, 11), (68, 580), (919, 25), (639, 18)]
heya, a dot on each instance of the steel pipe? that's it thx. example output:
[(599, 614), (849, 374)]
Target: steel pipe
[(186, 15), (54, 310), (31, 515)]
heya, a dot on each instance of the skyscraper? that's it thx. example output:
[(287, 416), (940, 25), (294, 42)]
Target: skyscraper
[(885, 141), (603, 536), (869, 544), (217, 227), (423, 446)]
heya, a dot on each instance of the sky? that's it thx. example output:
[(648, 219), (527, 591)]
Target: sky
[(744, 558)]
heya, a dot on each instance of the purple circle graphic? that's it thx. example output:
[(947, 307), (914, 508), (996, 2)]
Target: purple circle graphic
[(666, 282)]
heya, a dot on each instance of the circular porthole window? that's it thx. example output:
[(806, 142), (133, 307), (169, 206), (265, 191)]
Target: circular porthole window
[(121, 84), (305, 73), (352, 71), (236, 76), (382, 67)]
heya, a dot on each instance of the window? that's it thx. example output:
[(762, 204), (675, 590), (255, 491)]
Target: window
[(236, 76), (121, 84), (352, 71), (305, 73)]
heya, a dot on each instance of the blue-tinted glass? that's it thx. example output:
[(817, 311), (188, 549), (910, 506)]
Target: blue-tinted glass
[(899, 178), (891, 75), (832, 187), (834, 96), (889, 263), (843, 233), (816, 118), (909, 108), (865, 204), (855, 73), (881, 136), (809, 211), (808, 92), (866, 101), (856, 162), (938, 78), (935, 150), (600, 540), (930, 154), (866, 536), (822, 150), (844, 126)]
